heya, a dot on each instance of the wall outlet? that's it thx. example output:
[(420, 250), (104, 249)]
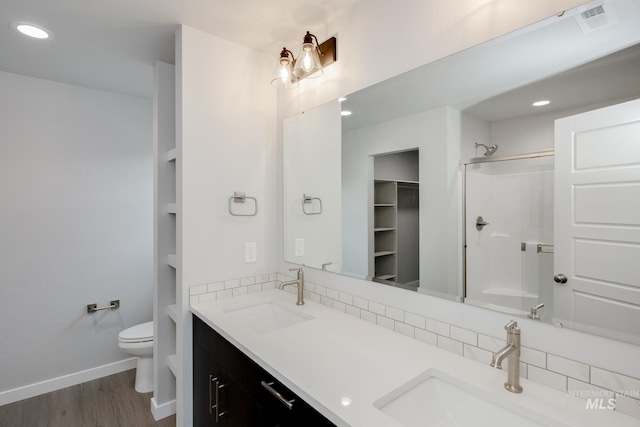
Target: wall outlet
[(250, 252), (299, 247)]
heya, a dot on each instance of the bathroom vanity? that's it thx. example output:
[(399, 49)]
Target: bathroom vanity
[(343, 371), (232, 390)]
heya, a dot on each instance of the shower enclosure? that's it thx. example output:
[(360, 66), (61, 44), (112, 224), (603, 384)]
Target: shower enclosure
[(509, 233)]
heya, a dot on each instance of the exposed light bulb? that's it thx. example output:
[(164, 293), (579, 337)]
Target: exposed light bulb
[(31, 30)]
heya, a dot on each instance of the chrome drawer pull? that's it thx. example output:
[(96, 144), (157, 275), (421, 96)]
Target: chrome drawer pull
[(285, 402)]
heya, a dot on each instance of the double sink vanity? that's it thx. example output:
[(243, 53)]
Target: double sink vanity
[(260, 359)]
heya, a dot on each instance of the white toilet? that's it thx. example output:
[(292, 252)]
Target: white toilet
[(138, 341)]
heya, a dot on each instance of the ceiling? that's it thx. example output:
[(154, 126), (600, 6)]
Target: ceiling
[(556, 59), (112, 44)]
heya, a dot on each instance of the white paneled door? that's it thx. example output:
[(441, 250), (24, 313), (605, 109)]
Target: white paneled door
[(597, 221)]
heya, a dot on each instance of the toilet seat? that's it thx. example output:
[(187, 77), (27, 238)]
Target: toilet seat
[(138, 333)]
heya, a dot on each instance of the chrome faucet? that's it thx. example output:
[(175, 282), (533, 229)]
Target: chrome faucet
[(512, 352), (299, 282)]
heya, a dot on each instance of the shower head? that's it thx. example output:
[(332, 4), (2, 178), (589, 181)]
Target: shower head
[(489, 149)]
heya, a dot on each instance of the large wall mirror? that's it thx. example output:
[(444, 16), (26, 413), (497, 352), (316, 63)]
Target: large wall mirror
[(448, 181)]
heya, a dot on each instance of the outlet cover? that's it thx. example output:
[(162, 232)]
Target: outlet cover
[(250, 252)]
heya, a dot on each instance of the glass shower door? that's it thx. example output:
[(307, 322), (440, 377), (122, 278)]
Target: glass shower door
[(509, 234)]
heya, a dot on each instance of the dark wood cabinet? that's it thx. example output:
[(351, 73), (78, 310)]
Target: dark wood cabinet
[(230, 389)]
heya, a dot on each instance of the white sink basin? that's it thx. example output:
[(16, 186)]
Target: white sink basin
[(264, 316), (435, 398)]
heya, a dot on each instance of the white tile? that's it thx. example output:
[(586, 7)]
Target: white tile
[(450, 345), (477, 354), (490, 343), (273, 277), (583, 390), (254, 288), (282, 278), (368, 316), (268, 285), (376, 308), (239, 291), (333, 294), (246, 281), (262, 278), (197, 289), (227, 293), (427, 337), (533, 357), (326, 301), (314, 297), (385, 322), (340, 306), (321, 290), (309, 286), (209, 296), (230, 284), (346, 298), (361, 303), (628, 406), (524, 370), (548, 378), (437, 327), (215, 287), (353, 311), (568, 367), (613, 381), (394, 313), (193, 299), (464, 335), (405, 329), (415, 320)]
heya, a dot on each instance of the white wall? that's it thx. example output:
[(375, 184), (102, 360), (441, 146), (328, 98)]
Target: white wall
[(418, 33), (226, 115), (76, 191)]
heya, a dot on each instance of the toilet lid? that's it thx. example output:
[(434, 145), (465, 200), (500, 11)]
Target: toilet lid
[(137, 333)]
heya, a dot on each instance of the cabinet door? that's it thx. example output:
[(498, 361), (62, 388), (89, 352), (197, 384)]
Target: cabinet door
[(219, 401)]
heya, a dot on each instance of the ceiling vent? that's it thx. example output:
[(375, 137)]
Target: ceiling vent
[(595, 15)]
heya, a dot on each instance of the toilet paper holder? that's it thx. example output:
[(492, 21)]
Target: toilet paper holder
[(92, 308)]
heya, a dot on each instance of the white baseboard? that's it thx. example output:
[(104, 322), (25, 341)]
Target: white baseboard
[(65, 381), (164, 410)]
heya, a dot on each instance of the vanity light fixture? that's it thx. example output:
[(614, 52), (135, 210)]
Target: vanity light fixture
[(345, 113), (31, 30), (284, 78), (541, 103), (313, 58)]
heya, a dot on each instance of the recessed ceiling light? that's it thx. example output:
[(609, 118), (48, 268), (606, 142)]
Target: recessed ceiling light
[(31, 30), (541, 103), (345, 113), (342, 99)]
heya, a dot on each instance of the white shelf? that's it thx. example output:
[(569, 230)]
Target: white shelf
[(172, 312), (384, 229), (172, 362), (383, 253), (172, 208), (386, 277), (171, 260), (384, 205), (171, 155)]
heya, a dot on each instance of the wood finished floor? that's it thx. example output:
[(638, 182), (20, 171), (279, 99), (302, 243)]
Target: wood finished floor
[(105, 402)]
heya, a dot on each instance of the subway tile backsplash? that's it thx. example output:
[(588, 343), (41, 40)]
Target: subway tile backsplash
[(576, 378)]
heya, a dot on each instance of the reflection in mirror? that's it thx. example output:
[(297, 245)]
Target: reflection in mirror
[(448, 112)]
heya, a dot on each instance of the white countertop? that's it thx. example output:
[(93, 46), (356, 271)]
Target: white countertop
[(333, 356)]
